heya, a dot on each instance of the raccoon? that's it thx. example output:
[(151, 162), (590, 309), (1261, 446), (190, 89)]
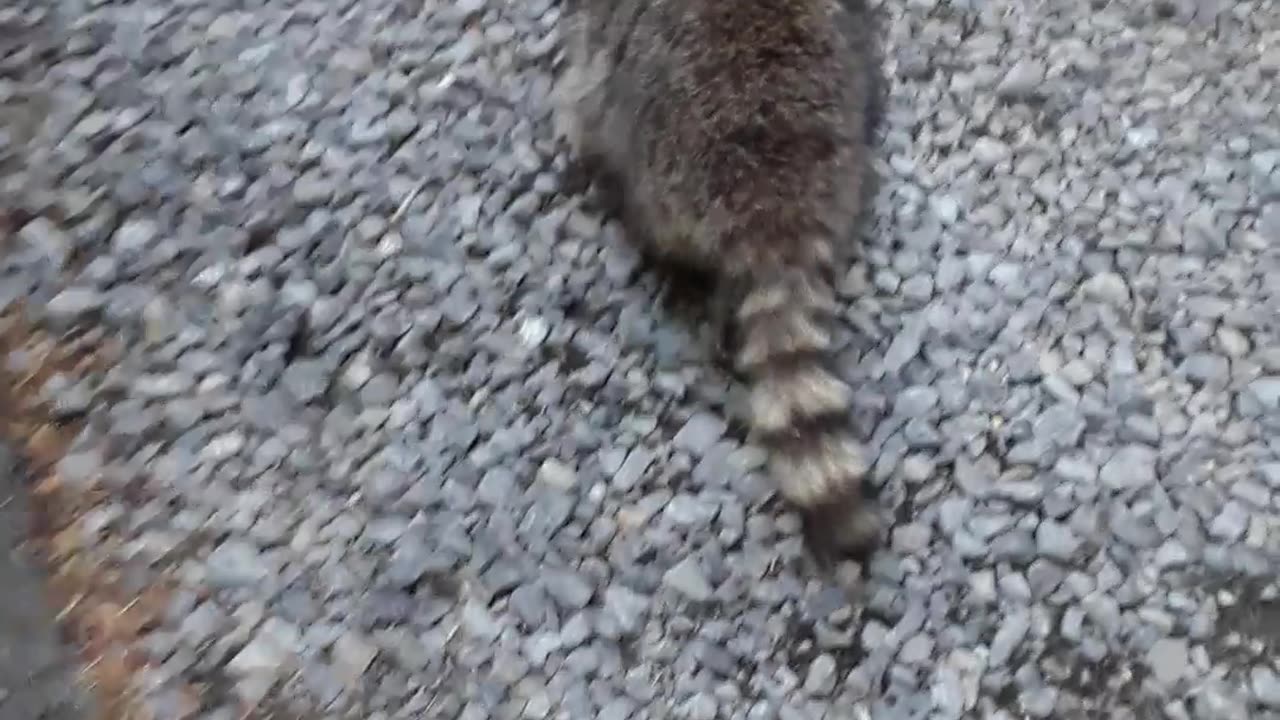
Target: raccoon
[(736, 135)]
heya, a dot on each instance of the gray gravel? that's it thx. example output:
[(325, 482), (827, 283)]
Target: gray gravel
[(416, 440)]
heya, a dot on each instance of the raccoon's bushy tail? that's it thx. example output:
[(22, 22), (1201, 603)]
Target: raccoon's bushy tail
[(799, 409)]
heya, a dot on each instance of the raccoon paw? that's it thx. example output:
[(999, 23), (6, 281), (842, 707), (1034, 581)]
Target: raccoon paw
[(576, 177)]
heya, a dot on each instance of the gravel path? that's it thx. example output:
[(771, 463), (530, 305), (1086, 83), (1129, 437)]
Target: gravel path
[(404, 434)]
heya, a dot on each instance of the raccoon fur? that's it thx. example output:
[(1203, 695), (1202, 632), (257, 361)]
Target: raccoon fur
[(737, 135)]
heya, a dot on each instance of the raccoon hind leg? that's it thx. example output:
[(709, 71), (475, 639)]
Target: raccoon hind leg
[(689, 284), (726, 298), (692, 289)]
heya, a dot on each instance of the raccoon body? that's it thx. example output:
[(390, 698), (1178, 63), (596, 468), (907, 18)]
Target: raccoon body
[(736, 134)]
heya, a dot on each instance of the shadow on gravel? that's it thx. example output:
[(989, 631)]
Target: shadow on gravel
[(99, 617), (1251, 616), (36, 675)]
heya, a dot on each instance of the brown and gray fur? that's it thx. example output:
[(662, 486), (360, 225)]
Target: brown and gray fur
[(737, 133)]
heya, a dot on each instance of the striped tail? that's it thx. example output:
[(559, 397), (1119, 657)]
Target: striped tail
[(799, 409)]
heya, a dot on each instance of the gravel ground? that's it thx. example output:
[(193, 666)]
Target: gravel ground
[(414, 436)]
